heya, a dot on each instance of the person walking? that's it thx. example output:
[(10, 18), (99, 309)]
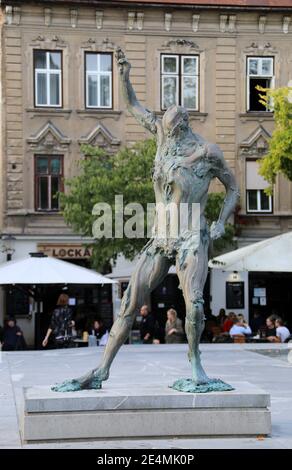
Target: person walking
[(174, 332), (61, 324)]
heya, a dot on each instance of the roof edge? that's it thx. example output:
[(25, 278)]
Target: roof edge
[(154, 4)]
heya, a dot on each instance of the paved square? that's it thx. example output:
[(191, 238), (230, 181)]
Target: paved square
[(265, 366)]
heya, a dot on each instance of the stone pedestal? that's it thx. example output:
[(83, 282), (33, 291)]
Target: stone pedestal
[(140, 411)]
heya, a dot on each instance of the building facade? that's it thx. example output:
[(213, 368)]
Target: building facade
[(60, 89)]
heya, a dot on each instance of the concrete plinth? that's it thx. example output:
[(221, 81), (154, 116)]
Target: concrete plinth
[(141, 411)]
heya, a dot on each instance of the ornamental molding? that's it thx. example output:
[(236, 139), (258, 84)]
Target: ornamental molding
[(260, 48), (43, 41), (97, 45), (49, 138), (256, 144), (174, 44), (101, 137)]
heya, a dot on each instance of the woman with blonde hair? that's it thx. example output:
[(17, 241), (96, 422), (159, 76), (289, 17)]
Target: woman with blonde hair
[(61, 323), (174, 332)]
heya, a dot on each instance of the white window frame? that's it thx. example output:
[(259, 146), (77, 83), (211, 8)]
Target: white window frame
[(174, 75), (258, 210), (48, 72), (98, 74), (179, 75), (260, 75), (187, 75)]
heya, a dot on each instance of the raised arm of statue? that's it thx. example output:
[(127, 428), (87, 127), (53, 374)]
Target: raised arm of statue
[(225, 175), (143, 116)]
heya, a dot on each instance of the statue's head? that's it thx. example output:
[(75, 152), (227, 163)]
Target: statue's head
[(175, 118)]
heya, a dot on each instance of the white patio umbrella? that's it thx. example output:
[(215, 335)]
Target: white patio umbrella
[(271, 255), (40, 269)]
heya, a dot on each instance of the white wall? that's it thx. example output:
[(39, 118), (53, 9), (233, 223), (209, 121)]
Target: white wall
[(218, 281)]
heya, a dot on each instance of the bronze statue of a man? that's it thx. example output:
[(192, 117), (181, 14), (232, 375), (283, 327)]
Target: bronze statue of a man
[(185, 165)]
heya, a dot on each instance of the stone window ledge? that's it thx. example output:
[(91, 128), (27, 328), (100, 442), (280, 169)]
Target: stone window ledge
[(197, 115), (48, 111), (265, 214), (27, 212), (256, 116), (99, 113)]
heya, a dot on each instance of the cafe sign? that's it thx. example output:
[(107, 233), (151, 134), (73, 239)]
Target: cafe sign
[(69, 251)]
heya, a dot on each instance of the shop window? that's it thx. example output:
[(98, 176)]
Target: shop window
[(180, 81), (98, 80), (256, 198), (48, 182), (260, 71), (48, 78)]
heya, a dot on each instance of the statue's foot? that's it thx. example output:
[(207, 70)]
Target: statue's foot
[(91, 381)]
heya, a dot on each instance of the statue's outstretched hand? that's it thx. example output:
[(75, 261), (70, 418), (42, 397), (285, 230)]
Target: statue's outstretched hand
[(123, 64), (217, 230)]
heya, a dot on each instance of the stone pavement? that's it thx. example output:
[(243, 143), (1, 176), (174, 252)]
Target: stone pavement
[(139, 365)]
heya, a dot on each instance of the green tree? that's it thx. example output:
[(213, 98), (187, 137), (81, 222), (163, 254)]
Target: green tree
[(279, 157), (100, 178)]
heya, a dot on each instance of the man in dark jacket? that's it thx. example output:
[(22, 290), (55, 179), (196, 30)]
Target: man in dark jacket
[(12, 336), (147, 328)]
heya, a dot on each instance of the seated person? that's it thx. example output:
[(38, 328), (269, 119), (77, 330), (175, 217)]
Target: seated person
[(239, 328), (256, 322), (229, 322), (241, 317), (98, 330), (282, 331), (174, 332), (271, 333)]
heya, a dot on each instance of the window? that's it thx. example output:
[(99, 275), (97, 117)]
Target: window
[(256, 198), (48, 78), (260, 71), (48, 182), (258, 201), (180, 81), (98, 71)]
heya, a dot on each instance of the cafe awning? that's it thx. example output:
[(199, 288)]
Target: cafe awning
[(271, 255), (41, 269)]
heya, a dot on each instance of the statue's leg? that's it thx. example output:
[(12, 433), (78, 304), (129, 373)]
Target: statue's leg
[(149, 272), (192, 275)]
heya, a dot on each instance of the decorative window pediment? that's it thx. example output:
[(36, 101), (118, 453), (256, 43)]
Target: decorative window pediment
[(49, 139), (101, 137), (257, 144), (177, 45)]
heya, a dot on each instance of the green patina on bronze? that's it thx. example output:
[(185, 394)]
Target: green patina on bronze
[(185, 165), (189, 385)]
